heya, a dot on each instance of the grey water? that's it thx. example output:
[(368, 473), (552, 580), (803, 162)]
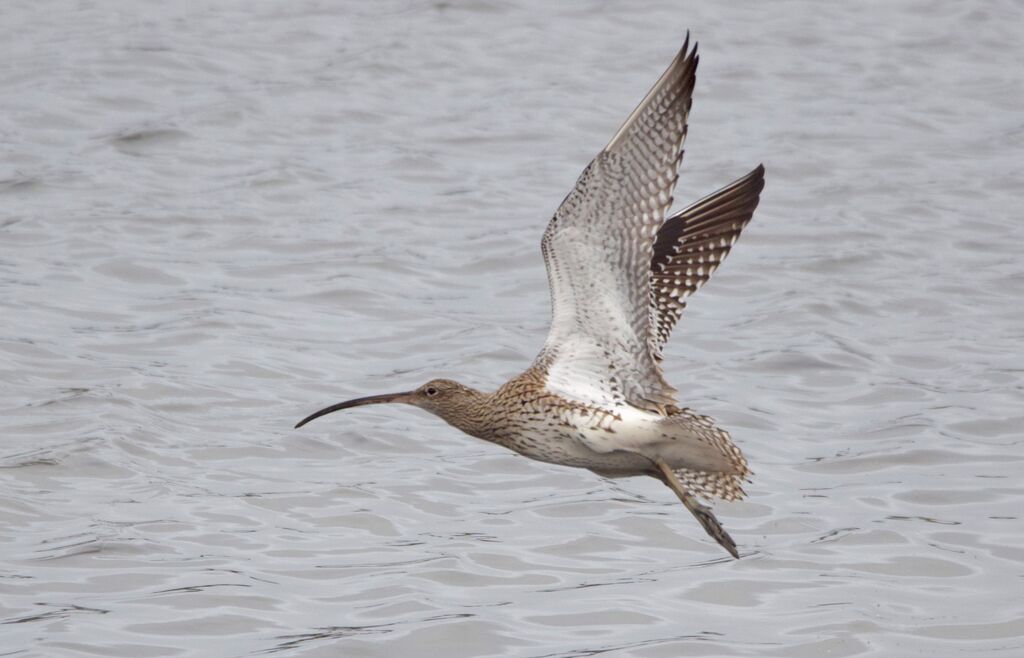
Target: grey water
[(216, 218)]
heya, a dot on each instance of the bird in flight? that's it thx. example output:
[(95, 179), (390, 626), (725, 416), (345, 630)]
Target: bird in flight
[(620, 275)]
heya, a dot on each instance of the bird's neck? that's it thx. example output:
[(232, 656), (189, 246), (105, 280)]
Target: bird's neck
[(474, 414)]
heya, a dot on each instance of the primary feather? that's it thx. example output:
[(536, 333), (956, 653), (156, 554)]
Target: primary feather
[(690, 247)]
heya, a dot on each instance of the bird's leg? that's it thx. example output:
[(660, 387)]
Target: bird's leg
[(703, 513)]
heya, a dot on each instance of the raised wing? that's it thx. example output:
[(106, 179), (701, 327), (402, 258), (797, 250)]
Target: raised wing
[(692, 244), (598, 249)]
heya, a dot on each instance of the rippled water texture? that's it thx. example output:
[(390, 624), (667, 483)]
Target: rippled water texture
[(216, 218)]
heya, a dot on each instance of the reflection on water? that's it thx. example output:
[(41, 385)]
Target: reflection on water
[(216, 220)]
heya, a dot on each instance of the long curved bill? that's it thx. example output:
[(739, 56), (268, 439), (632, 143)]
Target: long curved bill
[(358, 402)]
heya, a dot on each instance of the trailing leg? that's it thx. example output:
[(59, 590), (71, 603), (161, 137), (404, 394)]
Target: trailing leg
[(702, 512)]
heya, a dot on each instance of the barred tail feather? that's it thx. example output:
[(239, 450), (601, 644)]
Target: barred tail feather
[(727, 486)]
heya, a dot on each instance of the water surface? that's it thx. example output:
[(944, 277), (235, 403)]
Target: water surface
[(217, 218)]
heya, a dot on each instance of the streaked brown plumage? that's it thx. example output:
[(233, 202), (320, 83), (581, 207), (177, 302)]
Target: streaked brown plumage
[(620, 274)]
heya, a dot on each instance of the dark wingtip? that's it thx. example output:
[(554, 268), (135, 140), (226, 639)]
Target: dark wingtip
[(686, 51), (757, 175)]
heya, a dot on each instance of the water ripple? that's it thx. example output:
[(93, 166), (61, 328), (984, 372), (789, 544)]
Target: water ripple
[(213, 231)]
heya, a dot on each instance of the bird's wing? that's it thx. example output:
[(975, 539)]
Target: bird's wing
[(692, 244), (598, 249)]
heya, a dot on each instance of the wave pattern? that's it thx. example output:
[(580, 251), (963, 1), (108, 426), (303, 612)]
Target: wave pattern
[(215, 221)]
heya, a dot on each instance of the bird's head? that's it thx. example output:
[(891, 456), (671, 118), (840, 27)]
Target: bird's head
[(455, 403)]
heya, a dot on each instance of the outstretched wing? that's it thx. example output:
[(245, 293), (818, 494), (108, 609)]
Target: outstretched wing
[(692, 244), (598, 250)]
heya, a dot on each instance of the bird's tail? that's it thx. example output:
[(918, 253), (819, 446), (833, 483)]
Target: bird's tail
[(710, 484)]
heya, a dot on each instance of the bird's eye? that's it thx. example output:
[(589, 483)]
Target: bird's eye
[(431, 391)]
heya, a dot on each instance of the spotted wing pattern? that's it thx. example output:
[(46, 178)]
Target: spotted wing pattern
[(692, 244), (598, 250)]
